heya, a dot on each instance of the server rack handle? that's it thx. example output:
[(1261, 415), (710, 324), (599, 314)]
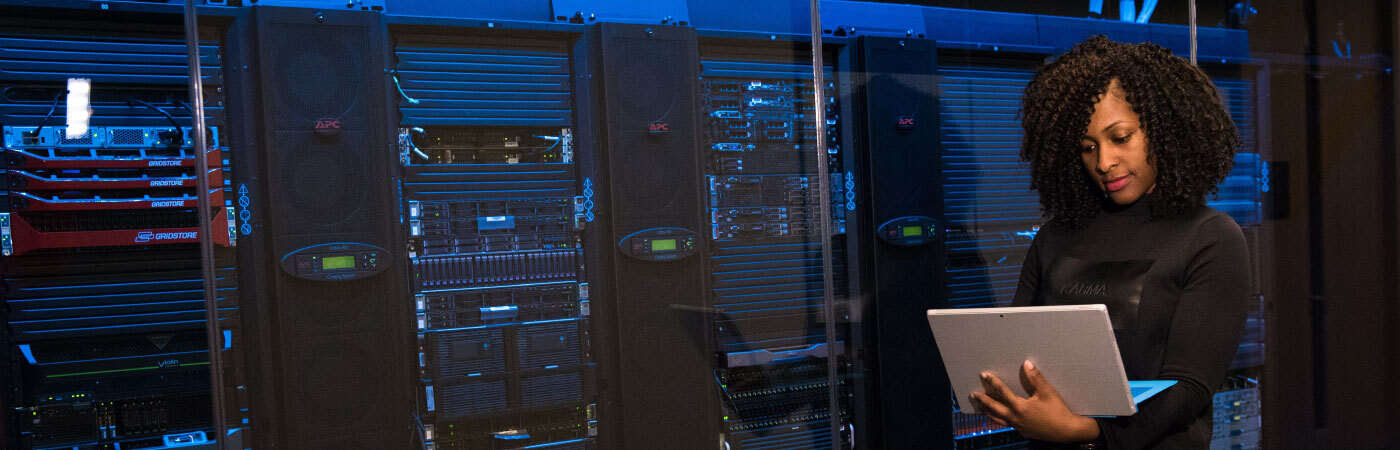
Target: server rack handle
[(206, 245)]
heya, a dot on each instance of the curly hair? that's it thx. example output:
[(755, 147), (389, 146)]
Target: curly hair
[(1191, 140)]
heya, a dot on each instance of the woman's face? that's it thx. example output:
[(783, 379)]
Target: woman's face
[(1115, 149)]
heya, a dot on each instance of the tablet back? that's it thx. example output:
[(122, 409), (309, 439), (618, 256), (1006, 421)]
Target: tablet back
[(1073, 345)]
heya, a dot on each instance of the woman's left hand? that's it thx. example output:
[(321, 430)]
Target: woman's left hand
[(1042, 416)]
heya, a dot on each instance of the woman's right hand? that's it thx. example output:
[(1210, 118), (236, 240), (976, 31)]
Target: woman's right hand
[(1041, 416)]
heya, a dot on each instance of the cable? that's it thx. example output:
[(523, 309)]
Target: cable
[(410, 100), (186, 105), (422, 430), (178, 130), (1148, 7), (551, 148), (414, 144), (48, 116), (173, 123)]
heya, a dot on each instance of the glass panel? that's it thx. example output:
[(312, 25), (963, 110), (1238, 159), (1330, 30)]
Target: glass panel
[(632, 225), (1274, 86), (774, 170), (104, 342), (589, 229)]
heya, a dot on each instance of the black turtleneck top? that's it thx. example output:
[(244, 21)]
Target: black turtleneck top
[(1177, 291)]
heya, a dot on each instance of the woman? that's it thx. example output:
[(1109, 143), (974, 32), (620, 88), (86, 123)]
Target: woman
[(1125, 142)]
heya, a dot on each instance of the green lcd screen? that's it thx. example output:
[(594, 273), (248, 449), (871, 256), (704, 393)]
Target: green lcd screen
[(663, 245), (913, 231), (337, 262)]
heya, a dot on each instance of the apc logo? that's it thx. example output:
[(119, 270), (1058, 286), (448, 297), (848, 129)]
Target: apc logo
[(327, 126), (659, 127), (905, 123), (144, 236)]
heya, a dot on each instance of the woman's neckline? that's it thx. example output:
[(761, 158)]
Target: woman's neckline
[(1141, 207)]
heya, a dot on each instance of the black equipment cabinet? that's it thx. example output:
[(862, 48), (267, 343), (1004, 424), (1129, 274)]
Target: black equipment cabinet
[(328, 345), (898, 238), (636, 89)]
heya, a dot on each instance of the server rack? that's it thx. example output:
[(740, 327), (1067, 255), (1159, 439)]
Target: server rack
[(1237, 403), (441, 76), (992, 213), (758, 109), (493, 219), (104, 309)]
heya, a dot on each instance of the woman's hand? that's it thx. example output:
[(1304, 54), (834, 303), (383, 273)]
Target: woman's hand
[(1042, 416)]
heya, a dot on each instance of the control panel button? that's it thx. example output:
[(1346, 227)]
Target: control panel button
[(659, 244), (909, 231), (334, 261)]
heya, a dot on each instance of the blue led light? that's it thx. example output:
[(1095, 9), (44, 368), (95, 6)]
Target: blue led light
[(28, 353), (113, 327), (80, 308), (539, 322), (504, 286), (117, 358), (474, 174), (555, 444), (113, 316), (185, 439), (137, 283)]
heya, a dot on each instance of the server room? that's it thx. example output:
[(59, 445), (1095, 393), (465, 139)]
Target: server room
[(694, 224)]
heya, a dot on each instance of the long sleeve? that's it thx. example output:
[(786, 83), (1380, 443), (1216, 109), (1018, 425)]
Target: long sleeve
[(1030, 277), (1202, 339)]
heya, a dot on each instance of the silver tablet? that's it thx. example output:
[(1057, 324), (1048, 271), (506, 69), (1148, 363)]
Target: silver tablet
[(1072, 345)]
